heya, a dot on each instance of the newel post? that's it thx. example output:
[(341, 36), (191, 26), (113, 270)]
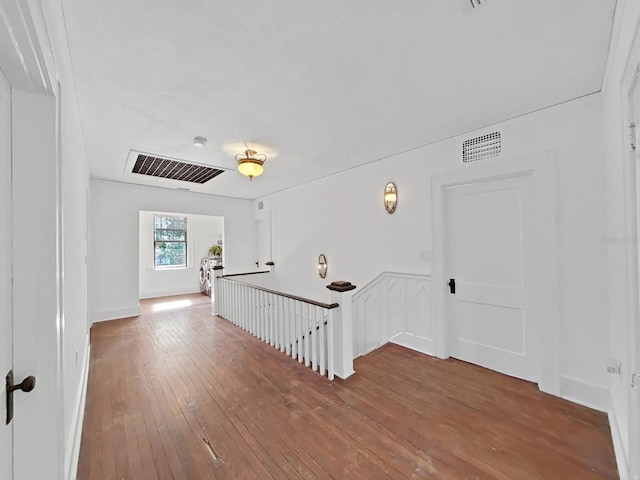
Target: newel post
[(342, 320), (215, 290)]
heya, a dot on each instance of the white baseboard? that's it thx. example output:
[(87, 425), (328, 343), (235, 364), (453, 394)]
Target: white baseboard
[(124, 312), (419, 344), (167, 292), (618, 446), (71, 466), (584, 393)]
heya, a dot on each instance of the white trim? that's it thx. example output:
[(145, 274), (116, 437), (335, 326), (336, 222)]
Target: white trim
[(71, 464), (584, 393), (167, 292), (618, 445), (413, 342), (547, 305), (629, 82), (116, 313), (613, 45), (362, 291)]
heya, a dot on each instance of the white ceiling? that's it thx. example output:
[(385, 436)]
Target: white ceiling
[(324, 85)]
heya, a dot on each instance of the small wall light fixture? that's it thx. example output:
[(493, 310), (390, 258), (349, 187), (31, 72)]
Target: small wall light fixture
[(390, 197), (323, 266)]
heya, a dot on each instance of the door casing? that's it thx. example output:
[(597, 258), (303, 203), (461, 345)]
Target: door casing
[(631, 172), (38, 328), (546, 309)]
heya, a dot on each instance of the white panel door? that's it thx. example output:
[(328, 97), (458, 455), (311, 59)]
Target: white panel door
[(489, 255), (6, 314)]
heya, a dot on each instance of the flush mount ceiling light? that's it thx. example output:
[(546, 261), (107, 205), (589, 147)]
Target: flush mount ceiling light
[(199, 141), (250, 163)]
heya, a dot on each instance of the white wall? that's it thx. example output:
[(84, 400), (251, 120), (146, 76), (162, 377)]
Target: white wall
[(113, 247), (202, 232), (343, 217), (625, 26)]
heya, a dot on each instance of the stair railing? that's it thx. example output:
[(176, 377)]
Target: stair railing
[(312, 332)]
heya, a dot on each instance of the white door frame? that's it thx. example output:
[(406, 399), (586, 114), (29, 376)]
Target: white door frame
[(27, 62), (546, 298), (631, 172)]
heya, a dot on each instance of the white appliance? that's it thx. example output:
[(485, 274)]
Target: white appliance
[(206, 266)]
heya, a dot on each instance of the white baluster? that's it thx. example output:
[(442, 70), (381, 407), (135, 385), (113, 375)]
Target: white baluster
[(245, 308), (240, 306), (305, 326), (233, 303), (287, 329), (263, 316), (330, 352), (253, 311), (281, 338), (314, 338), (298, 318), (292, 327), (322, 340)]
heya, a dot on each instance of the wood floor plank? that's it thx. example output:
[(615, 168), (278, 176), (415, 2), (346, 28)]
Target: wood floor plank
[(180, 394)]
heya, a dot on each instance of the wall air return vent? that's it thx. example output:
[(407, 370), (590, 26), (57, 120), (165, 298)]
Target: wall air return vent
[(172, 169), (484, 146)]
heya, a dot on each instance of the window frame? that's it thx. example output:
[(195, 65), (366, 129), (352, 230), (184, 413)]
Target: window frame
[(185, 220)]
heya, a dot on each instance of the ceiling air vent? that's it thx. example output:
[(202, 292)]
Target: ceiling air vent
[(484, 146), (154, 166)]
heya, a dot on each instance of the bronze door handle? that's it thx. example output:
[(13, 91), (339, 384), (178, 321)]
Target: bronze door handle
[(26, 386)]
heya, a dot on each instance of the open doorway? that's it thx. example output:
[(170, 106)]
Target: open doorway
[(172, 250)]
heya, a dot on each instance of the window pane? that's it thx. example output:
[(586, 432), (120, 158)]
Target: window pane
[(171, 254), (163, 235), (170, 238)]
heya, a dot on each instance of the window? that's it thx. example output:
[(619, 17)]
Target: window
[(170, 241)]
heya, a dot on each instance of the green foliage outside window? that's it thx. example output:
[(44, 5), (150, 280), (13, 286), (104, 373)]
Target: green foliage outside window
[(170, 241)]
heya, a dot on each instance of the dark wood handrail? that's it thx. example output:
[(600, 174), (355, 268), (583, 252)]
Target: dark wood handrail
[(328, 306), (245, 273)]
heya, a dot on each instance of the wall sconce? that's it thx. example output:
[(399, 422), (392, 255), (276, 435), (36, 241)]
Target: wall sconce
[(323, 266), (390, 197)]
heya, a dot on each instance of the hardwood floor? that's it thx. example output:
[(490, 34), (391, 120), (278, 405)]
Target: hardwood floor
[(180, 394)]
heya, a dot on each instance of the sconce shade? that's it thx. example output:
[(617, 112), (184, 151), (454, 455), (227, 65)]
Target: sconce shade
[(322, 265), (390, 197), (249, 165)]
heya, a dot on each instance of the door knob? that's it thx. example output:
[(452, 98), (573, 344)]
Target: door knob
[(26, 386), (452, 285)]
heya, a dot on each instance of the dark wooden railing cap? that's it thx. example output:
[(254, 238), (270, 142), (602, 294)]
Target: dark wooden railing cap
[(341, 286), (328, 306), (245, 273), (218, 267)]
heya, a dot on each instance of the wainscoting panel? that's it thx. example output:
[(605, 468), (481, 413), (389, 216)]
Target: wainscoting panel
[(393, 307)]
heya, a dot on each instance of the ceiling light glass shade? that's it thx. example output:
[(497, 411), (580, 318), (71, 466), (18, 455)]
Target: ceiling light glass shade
[(249, 165)]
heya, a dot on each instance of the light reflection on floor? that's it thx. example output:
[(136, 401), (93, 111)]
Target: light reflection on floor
[(159, 307)]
